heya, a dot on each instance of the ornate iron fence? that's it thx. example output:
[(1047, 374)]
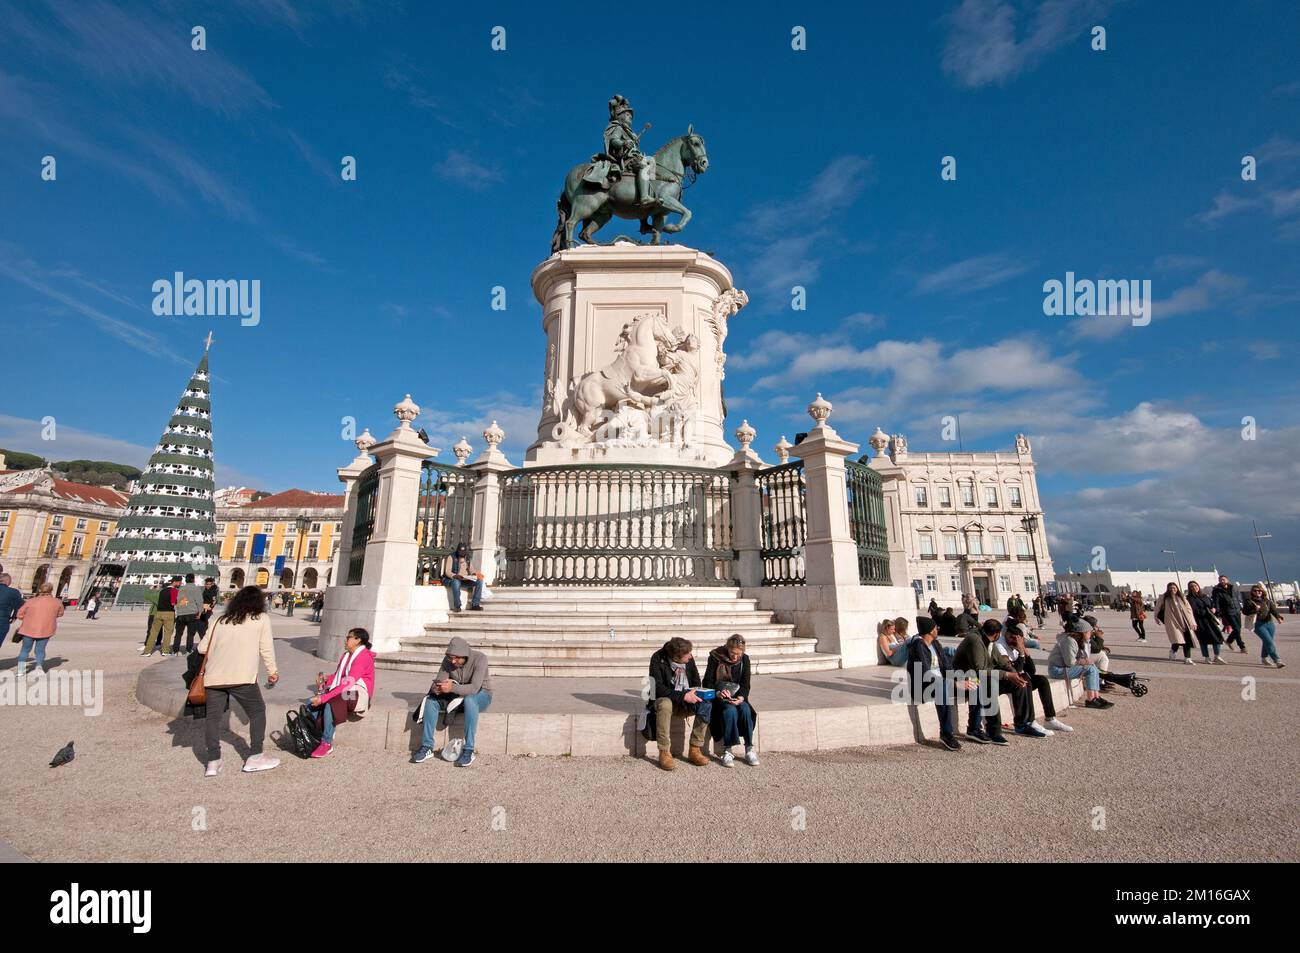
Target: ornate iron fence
[(616, 524), (784, 523), (866, 503), (364, 524), (446, 514)]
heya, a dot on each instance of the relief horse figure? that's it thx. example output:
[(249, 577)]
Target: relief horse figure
[(634, 376), (593, 205)]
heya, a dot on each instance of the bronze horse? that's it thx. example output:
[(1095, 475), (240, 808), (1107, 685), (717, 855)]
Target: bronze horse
[(586, 202)]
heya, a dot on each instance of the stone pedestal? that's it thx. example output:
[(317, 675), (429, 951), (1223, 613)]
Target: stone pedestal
[(656, 401)]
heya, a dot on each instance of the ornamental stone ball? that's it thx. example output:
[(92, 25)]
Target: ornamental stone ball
[(819, 410), (406, 411), (745, 434), (494, 435), (783, 448), (462, 449), (365, 441)]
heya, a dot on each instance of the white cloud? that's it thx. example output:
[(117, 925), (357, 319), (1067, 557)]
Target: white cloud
[(473, 173), (972, 274), (1212, 289), (983, 47)]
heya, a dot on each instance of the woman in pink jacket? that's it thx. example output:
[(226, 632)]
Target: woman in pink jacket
[(349, 690), (38, 618)]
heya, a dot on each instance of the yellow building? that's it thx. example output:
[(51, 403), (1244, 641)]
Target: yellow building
[(252, 537), (53, 530)]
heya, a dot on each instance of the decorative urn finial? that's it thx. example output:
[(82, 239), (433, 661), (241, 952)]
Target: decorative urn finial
[(879, 441), (494, 435), (783, 449), (745, 434), (406, 411), (819, 410), (364, 442), (462, 449)]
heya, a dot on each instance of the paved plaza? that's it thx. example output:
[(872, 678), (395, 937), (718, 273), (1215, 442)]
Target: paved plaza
[(1181, 775)]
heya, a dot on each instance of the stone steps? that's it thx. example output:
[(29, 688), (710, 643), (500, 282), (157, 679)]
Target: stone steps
[(655, 627), (638, 650), (565, 631), (535, 665)]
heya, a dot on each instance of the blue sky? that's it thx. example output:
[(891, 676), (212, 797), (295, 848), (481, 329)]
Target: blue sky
[(924, 296)]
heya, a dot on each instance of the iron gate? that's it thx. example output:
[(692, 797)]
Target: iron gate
[(784, 523)]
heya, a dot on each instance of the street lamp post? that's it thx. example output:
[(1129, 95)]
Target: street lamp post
[(1258, 536), (302, 522), (1030, 523), (1173, 554)]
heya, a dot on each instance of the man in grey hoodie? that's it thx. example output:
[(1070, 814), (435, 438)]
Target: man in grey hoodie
[(462, 682)]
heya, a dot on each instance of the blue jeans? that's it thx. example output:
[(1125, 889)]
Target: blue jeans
[(737, 722), (471, 707), (475, 600), (40, 652), (899, 657), (1265, 631), (1091, 680), (327, 715)]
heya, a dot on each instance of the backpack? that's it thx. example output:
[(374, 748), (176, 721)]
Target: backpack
[(303, 734)]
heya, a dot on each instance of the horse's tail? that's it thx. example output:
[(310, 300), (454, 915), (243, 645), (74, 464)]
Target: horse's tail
[(564, 208)]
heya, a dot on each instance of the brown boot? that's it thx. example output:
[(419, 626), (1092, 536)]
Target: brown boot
[(666, 759), (696, 756)]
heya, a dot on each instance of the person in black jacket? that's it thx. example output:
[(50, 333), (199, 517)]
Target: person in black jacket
[(733, 716), (974, 657), (1013, 646), (928, 678), (675, 678), (947, 623), (1207, 624), (1228, 606)]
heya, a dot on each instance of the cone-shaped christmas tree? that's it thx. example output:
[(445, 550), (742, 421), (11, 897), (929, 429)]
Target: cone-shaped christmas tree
[(168, 528)]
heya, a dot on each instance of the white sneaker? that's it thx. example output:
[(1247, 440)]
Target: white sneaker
[(728, 759), (1269, 663), (261, 762), (1142, 641), (1173, 654), (751, 757), (1189, 661), (1047, 731), (1218, 660), (1057, 725), (212, 769)]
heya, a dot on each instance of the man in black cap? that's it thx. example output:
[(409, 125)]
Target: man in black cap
[(928, 675), (994, 676)]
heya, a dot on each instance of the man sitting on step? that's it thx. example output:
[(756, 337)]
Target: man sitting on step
[(675, 678), (461, 572), (461, 683)]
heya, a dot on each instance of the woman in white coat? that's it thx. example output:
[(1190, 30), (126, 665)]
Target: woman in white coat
[(1173, 609)]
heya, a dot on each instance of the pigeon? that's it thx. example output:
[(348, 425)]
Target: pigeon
[(423, 436), (65, 755)]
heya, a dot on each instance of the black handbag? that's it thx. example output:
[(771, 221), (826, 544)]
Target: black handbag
[(300, 726)]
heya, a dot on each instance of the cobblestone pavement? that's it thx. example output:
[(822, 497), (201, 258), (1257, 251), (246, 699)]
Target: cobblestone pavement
[(1202, 768)]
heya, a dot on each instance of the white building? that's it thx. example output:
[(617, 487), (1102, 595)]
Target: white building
[(1151, 583), (971, 523)]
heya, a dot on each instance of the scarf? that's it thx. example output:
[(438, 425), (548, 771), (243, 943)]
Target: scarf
[(345, 666), (680, 682)]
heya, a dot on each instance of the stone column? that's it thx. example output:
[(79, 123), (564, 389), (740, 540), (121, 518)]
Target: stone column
[(487, 503), (830, 554), (746, 510), (348, 476), (388, 603), (892, 478)]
